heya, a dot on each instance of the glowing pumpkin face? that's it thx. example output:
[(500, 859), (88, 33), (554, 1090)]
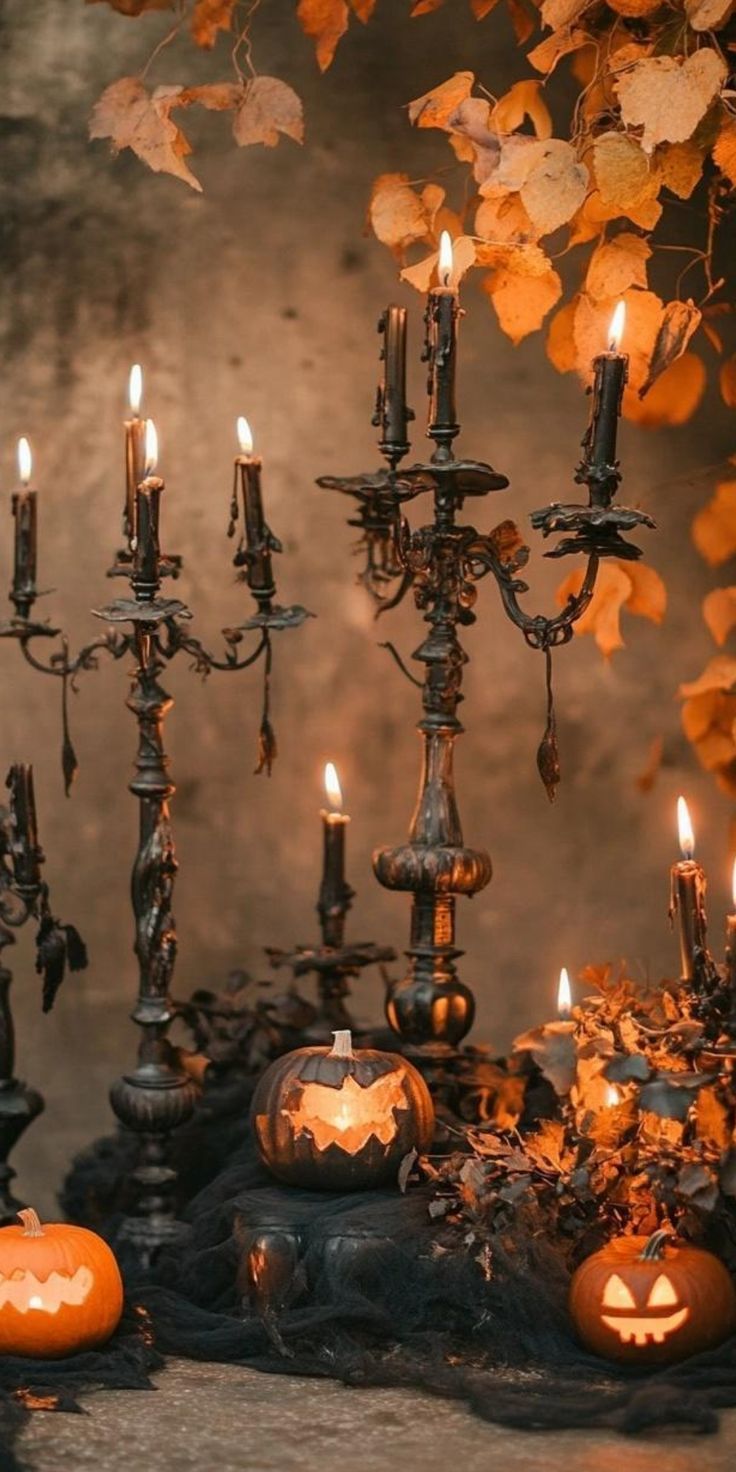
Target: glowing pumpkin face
[(340, 1120), (60, 1289), (652, 1301)]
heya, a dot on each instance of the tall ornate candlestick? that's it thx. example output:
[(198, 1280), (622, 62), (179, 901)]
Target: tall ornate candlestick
[(687, 899), (23, 592), (442, 561)]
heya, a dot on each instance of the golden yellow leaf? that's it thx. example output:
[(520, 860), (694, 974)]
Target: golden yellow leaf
[(504, 220), (558, 13), (521, 302), (714, 526), (673, 398), (555, 187), (724, 152), (719, 612), (398, 215), (679, 321), (434, 109), (324, 22), (545, 56), (708, 15), (681, 167), (592, 321), (523, 100), (623, 172), (727, 381), (133, 118), (667, 96), (209, 17), (619, 585), (561, 349), (719, 674), (269, 107), (472, 140), (617, 264)]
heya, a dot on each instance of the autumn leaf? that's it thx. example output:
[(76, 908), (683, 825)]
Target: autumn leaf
[(674, 397), (724, 151), (709, 717), (555, 186), (592, 322), (719, 674), (719, 612), (522, 297), (134, 7), (558, 13), (434, 109), (397, 214), (214, 96), (326, 21), (423, 274), (727, 381), (623, 172), (561, 349), (269, 107), (504, 221), (619, 585), (209, 17), (681, 167), (617, 264), (545, 56), (133, 118), (667, 96), (523, 100), (714, 526), (708, 15), (679, 321)]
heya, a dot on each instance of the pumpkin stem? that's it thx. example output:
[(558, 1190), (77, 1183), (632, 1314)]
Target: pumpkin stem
[(31, 1222), (655, 1245), (343, 1044)]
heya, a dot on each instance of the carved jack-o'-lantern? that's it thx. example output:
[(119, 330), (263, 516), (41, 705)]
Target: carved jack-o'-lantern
[(340, 1120), (652, 1301), (60, 1289)]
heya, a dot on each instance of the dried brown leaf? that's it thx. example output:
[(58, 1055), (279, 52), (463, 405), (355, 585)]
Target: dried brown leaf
[(679, 321), (719, 612), (545, 56), (714, 526), (435, 108), (681, 167), (504, 221), (674, 397), (215, 96), (269, 107), (708, 15), (397, 213), (555, 186), (325, 23), (523, 100), (667, 96), (209, 17), (558, 13), (724, 151), (618, 585), (133, 118), (617, 264), (521, 301), (623, 172)]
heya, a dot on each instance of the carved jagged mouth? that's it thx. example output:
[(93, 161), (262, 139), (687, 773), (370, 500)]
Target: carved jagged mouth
[(638, 1331), (27, 1293)]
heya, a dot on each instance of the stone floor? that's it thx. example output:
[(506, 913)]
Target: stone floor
[(219, 1418)]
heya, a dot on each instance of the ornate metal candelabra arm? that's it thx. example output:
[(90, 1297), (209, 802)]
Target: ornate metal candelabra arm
[(24, 896)]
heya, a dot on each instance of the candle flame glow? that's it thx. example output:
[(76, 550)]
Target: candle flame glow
[(245, 435), (25, 460), (613, 1097), (444, 268), (685, 829), (135, 389), (616, 329), (151, 447), (332, 788), (564, 995)]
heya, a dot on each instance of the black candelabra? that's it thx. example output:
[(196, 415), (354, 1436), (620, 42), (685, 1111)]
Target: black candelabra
[(157, 1095), (431, 1008), (24, 895)]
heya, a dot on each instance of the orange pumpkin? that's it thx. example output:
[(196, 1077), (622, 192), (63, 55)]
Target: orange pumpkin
[(652, 1301), (340, 1120), (60, 1289)]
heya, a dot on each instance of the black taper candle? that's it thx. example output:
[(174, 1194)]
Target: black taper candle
[(610, 370), (26, 855), (392, 413)]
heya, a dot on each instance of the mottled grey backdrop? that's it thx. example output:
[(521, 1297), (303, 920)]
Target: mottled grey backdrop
[(261, 297)]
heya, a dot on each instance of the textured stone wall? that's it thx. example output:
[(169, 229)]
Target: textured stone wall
[(261, 297)]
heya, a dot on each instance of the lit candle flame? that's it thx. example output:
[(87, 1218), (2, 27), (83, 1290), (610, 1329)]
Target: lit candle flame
[(25, 460), (564, 995), (135, 389), (332, 788), (151, 447), (685, 829), (245, 435), (613, 1097), (444, 268), (616, 329)]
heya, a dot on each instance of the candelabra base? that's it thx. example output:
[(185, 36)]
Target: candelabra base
[(151, 1103)]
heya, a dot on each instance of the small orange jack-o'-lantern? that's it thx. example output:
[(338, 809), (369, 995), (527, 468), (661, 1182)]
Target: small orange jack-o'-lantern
[(651, 1301), (60, 1289), (340, 1120)]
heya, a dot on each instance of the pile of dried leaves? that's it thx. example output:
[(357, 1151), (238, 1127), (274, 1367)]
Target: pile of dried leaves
[(642, 1133)]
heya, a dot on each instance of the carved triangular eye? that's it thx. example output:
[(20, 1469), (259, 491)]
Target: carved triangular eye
[(617, 1295), (663, 1294)]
